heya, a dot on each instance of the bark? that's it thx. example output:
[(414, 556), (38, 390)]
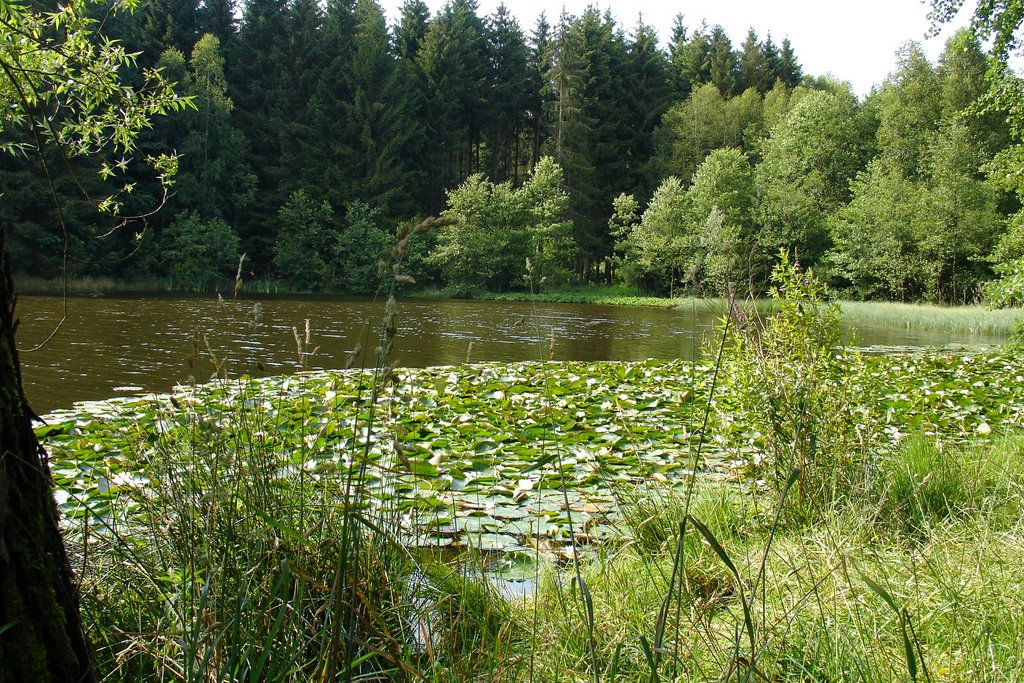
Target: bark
[(41, 636)]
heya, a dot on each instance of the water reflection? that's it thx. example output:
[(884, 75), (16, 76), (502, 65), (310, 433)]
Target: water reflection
[(112, 345)]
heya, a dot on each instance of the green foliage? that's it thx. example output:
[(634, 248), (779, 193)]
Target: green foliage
[(202, 255), (808, 163), (877, 237), (362, 246), (548, 227), (720, 204), (501, 227), (656, 250), (307, 238), (791, 382), (702, 237), (1007, 290), (215, 178), (923, 236)]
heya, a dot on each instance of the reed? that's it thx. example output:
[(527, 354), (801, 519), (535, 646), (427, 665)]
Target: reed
[(974, 320)]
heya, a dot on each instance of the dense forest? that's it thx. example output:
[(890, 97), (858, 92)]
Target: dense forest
[(592, 151)]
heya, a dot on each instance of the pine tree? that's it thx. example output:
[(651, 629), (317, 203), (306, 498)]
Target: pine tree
[(679, 74), (214, 177), (539, 93), (256, 74), (415, 151), (648, 81), (755, 71), (789, 69), (722, 62), (453, 60), (378, 117), (508, 85)]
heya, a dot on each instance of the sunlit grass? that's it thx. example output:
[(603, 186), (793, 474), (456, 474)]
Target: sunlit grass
[(820, 614), (960, 319)]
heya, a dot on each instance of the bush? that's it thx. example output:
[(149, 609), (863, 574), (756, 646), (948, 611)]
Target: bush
[(789, 380), (303, 254), (360, 249)]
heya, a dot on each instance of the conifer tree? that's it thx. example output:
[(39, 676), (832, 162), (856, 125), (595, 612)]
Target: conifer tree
[(509, 88)]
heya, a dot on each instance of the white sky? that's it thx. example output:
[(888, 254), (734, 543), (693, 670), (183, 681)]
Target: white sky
[(855, 41)]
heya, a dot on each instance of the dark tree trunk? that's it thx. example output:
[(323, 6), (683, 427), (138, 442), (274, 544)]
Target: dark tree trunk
[(41, 637)]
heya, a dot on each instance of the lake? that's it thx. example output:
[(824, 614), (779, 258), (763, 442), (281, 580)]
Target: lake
[(122, 345)]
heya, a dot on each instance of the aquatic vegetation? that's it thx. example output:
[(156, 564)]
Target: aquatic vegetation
[(469, 450)]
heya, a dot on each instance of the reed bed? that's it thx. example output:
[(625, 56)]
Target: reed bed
[(974, 320)]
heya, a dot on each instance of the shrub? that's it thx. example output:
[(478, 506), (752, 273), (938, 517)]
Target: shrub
[(789, 380)]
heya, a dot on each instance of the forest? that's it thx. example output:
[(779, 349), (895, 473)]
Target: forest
[(602, 153)]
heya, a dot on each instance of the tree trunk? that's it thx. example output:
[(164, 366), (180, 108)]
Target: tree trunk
[(41, 636)]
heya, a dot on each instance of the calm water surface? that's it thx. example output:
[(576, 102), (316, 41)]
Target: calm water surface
[(113, 346)]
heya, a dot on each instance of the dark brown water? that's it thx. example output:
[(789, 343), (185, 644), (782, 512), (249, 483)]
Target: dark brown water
[(113, 346)]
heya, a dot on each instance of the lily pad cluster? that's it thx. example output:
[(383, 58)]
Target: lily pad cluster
[(496, 456)]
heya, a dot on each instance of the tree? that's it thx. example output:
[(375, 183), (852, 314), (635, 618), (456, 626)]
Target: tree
[(876, 251), (64, 87), (307, 238), (201, 254), (548, 227), (378, 118), (658, 251), (214, 177), (500, 227), (452, 58), (508, 84), (720, 204), (754, 69), (910, 109), (788, 69), (360, 248), (722, 61), (648, 99), (690, 130), (809, 161)]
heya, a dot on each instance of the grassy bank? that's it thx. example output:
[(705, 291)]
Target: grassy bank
[(961, 319), (970, 320)]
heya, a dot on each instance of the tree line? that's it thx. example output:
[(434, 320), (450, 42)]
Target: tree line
[(582, 145)]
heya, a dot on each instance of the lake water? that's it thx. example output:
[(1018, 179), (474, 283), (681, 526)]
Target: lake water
[(114, 345)]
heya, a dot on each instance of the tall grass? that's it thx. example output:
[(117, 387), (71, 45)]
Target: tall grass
[(819, 600), (975, 320)]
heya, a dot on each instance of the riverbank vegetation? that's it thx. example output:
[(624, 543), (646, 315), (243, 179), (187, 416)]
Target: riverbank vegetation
[(782, 511), (582, 144)]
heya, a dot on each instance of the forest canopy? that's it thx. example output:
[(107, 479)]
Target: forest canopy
[(318, 129)]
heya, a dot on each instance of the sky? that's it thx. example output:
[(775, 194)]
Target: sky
[(855, 41)]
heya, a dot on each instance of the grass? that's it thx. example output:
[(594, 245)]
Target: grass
[(961, 319), (821, 610)]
